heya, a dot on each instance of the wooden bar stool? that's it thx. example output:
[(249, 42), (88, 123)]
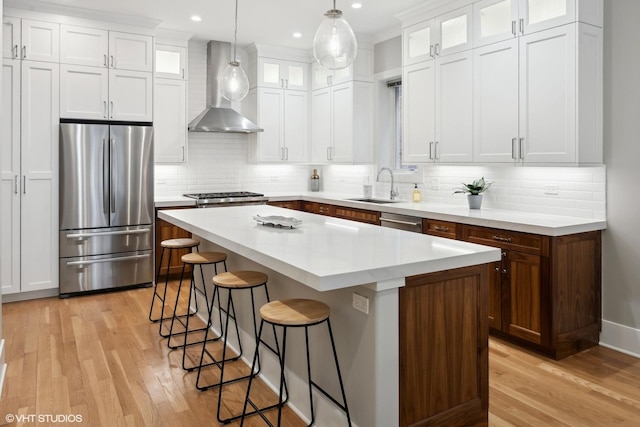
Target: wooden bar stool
[(290, 313), (196, 259), (171, 245), (234, 281)]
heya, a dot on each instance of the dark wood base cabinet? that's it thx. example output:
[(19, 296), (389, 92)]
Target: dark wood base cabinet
[(545, 294), (444, 365), (165, 231)]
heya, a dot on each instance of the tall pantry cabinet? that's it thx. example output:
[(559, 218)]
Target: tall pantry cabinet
[(29, 159)]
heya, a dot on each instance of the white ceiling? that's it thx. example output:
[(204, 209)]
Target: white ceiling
[(262, 21)]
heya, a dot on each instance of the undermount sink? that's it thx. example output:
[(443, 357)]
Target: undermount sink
[(380, 201)]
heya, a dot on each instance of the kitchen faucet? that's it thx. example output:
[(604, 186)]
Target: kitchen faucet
[(394, 193)]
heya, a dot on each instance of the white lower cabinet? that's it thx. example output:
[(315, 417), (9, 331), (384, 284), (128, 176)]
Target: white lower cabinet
[(438, 110), (342, 123), (284, 116), (29, 177), (170, 126), (95, 93)]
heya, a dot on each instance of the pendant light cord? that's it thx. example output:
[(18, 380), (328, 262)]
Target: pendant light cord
[(235, 34)]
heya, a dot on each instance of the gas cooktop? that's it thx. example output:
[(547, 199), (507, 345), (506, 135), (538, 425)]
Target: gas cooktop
[(227, 198), (223, 195)]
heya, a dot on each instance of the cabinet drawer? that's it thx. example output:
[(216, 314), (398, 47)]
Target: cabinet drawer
[(292, 204), (323, 209), (513, 240), (360, 215), (439, 228)]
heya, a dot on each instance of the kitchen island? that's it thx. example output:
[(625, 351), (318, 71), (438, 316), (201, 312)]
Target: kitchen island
[(419, 354)]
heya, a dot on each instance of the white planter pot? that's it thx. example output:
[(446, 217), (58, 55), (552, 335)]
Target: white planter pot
[(475, 201)]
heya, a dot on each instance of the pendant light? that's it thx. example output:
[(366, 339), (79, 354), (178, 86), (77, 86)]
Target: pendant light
[(335, 45), (234, 84)]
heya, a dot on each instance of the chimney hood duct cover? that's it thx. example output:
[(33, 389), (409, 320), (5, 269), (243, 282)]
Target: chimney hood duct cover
[(219, 116)]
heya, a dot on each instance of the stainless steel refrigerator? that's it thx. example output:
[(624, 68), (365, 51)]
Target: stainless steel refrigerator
[(106, 206)]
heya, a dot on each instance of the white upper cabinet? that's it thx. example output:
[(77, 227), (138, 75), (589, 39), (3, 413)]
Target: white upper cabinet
[(31, 40), (494, 21), (498, 20), (170, 125), (360, 70), (130, 96), (84, 46), (438, 110), (130, 51), (108, 49), (276, 73), (495, 111), (443, 35), (170, 61)]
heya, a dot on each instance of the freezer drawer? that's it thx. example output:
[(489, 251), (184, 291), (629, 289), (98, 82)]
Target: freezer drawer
[(100, 272), (98, 241)]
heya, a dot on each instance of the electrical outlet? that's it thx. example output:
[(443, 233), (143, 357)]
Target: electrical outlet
[(161, 181), (434, 183), (551, 189), (361, 303)]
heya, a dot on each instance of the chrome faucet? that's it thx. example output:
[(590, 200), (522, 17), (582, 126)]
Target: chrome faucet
[(393, 193)]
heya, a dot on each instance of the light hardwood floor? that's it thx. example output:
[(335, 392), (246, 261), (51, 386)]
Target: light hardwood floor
[(98, 356)]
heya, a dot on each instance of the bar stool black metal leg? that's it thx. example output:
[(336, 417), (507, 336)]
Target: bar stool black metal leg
[(155, 289), (335, 358)]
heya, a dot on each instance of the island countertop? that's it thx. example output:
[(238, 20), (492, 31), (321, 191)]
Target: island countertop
[(327, 253)]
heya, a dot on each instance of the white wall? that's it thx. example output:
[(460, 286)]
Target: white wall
[(621, 251)]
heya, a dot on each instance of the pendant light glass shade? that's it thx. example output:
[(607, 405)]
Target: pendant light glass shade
[(233, 83), (335, 45)]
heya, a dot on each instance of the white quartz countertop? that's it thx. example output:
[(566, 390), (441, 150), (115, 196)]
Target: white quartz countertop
[(328, 253), (527, 222)]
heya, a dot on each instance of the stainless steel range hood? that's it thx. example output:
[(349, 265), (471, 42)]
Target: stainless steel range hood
[(219, 116)]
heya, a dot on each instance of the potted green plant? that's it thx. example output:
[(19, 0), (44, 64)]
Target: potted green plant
[(474, 192)]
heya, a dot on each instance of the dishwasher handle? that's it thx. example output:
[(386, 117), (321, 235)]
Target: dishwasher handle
[(396, 221)]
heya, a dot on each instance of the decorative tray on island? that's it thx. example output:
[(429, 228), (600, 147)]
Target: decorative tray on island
[(278, 221)]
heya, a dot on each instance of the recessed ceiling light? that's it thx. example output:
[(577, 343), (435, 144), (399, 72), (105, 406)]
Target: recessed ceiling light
[(356, 5), (196, 18), (297, 35)]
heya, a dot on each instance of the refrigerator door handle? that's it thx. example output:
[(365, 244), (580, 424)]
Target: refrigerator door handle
[(107, 233), (112, 177), (105, 177), (100, 261)]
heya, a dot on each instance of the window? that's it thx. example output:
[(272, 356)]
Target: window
[(396, 87)]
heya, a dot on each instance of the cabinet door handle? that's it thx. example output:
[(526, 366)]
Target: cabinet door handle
[(431, 51), (15, 184), (513, 148), (286, 153), (112, 61), (440, 228), (286, 83), (282, 83), (111, 103), (520, 148), (183, 73), (329, 80), (437, 49), (104, 108), (183, 153), (435, 152), (24, 52), (501, 239), (521, 25), (15, 51), (105, 59), (24, 184), (513, 28)]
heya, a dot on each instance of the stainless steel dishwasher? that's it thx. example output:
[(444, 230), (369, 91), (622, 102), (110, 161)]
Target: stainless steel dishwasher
[(401, 222)]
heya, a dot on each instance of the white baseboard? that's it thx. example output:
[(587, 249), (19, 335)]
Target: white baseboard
[(620, 338), (3, 367)]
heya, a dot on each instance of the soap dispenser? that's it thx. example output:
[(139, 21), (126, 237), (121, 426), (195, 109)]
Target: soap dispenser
[(417, 196)]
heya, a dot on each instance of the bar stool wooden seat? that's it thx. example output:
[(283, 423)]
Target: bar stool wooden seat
[(294, 313), (170, 245), (234, 281), (194, 259)]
